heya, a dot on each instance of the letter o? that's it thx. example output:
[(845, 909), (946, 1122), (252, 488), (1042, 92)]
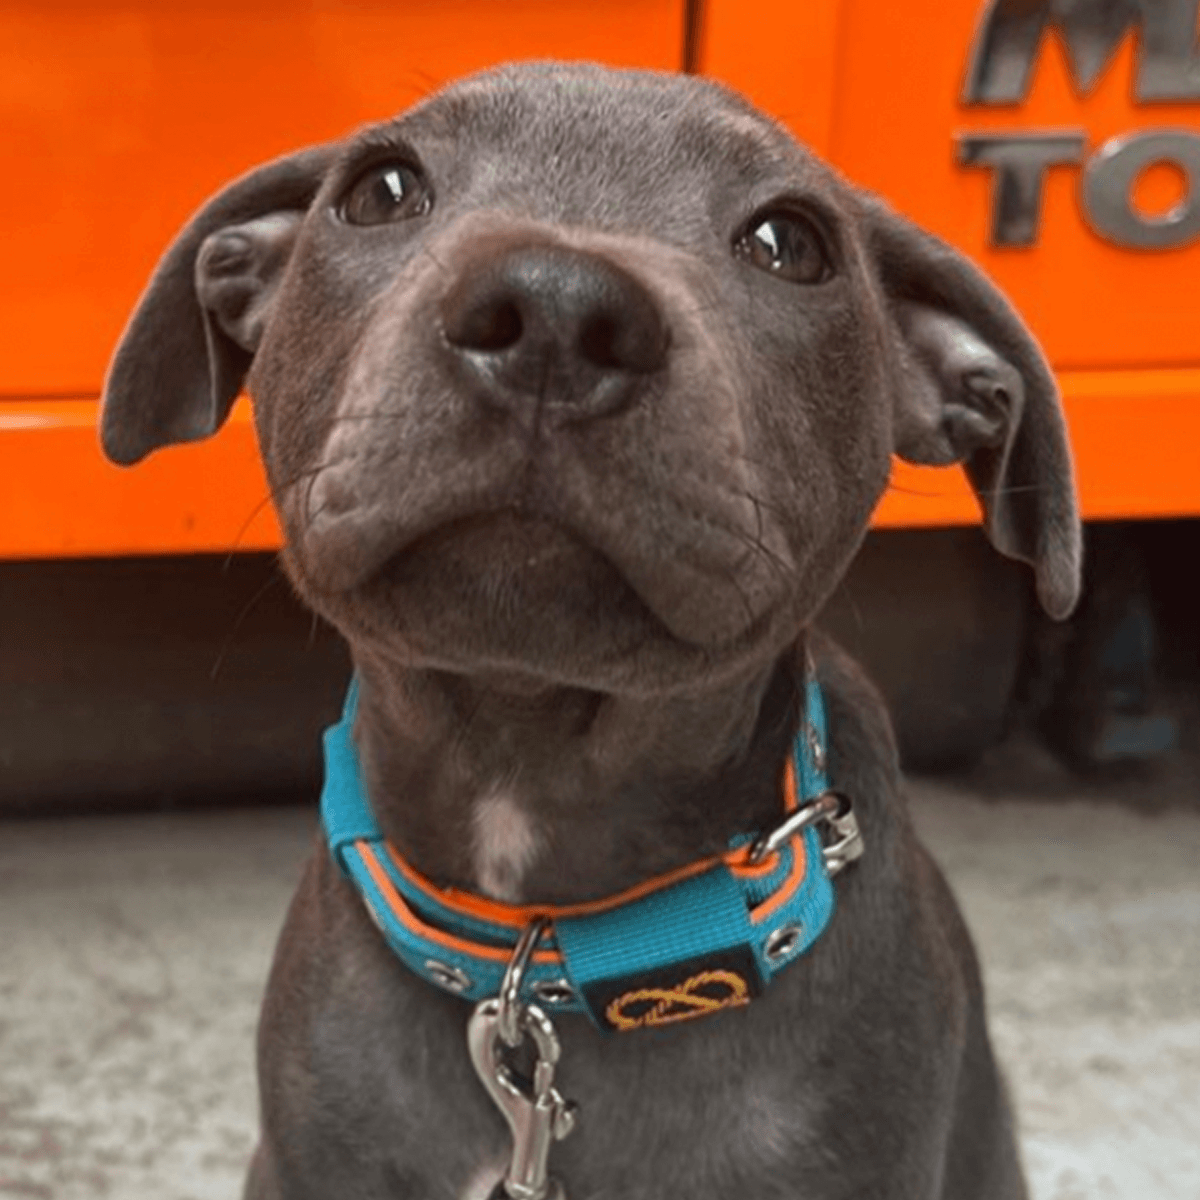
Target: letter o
[(1107, 187)]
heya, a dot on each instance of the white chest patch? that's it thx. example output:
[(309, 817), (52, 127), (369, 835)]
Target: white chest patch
[(504, 844)]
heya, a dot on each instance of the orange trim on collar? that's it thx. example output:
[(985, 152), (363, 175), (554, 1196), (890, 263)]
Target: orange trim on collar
[(517, 916)]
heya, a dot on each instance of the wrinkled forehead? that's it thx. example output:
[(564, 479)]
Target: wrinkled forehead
[(595, 145)]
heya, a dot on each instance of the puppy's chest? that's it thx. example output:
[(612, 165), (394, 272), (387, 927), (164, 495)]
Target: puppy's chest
[(707, 1114)]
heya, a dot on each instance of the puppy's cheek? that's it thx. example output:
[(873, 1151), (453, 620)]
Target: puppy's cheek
[(821, 443), (298, 380)]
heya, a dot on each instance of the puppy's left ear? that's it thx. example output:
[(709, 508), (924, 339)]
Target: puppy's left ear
[(972, 387)]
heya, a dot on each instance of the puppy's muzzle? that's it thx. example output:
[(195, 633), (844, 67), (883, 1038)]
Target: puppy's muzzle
[(550, 334)]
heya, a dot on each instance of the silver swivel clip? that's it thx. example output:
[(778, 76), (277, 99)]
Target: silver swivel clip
[(536, 1113)]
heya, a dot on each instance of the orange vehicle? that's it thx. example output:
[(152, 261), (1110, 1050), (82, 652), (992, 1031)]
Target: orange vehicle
[(1057, 144)]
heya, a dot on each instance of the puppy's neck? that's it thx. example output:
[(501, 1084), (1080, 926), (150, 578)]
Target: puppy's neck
[(532, 793)]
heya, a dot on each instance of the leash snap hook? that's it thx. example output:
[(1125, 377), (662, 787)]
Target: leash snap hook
[(536, 1113)]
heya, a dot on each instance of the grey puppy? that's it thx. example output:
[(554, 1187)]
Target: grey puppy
[(576, 390)]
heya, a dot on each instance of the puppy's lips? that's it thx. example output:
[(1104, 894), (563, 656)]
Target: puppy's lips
[(495, 547), (509, 568), (508, 565)]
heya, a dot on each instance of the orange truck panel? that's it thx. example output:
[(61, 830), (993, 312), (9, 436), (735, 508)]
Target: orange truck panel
[(205, 496), (124, 117)]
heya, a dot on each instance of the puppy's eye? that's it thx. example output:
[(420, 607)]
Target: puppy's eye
[(785, 245), (387, 192)]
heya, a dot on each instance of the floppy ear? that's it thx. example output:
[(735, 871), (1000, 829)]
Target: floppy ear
[(973, 388), (184, 354)]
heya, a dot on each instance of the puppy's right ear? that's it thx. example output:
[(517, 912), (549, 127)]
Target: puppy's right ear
[(184, 354)]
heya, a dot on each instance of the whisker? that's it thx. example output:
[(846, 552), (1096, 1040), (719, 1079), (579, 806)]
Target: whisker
[(437, 262), (731, 579), (753, 543), (909, 491), (245, 528), (342, 418), (1018, 489), (287, 483), (272, 580), (309, 473)]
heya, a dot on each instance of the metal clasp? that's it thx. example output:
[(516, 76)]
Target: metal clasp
[(536, 1113), (848, 846)]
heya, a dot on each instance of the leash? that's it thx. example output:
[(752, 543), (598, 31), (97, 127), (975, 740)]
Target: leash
[(696, 941)]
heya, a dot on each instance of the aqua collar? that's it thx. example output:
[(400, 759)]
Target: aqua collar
[(699, 939)]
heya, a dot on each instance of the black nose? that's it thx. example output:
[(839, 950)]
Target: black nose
[(547, 330)]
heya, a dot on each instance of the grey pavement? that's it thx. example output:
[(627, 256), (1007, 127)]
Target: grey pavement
[(133, 951)]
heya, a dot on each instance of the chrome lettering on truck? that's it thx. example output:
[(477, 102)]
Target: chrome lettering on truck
[(1000, 72), (1007, 43)]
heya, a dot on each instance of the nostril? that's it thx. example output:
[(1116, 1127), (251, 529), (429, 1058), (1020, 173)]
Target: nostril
[(633, 339), (491, 326), (598, 342)]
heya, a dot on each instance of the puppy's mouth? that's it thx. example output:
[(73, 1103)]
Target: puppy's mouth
[(502, 554), (559, 584), (510, 588)]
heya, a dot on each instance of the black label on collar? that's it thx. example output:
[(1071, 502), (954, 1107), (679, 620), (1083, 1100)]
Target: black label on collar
[(681, 991)]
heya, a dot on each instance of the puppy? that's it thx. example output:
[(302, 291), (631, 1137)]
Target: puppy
[(576, 389)]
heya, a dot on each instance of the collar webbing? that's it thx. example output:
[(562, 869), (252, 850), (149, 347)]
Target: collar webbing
[(705, 937)]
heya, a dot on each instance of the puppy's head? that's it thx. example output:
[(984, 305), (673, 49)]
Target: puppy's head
[(585, 374)]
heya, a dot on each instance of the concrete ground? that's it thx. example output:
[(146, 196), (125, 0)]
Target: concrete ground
[(133, 951)]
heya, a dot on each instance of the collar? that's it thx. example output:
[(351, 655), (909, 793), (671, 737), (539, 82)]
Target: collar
[(705, 937)]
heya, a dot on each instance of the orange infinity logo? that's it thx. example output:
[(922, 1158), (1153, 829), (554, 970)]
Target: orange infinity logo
[(708, 992)]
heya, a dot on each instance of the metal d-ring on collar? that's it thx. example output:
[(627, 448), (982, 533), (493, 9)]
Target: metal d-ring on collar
[(511, 1007), (836, 812)]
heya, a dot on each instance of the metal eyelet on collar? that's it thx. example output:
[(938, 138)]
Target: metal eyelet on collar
[(451, 978), (554, 992), (781, 943)]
